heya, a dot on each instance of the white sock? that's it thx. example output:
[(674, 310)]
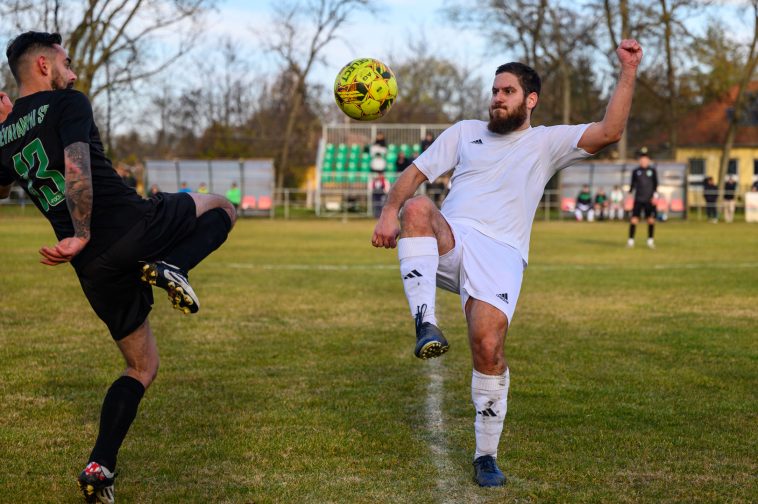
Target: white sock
[(419, 259), (490, 397)]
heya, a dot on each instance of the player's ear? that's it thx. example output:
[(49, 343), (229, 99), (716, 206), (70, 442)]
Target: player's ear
[(531, 100), (43, 64)]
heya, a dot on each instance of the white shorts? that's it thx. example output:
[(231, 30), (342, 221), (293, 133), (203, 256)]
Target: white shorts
[(483, 268)]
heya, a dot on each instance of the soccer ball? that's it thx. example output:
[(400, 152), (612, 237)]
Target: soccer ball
[(365, 89)]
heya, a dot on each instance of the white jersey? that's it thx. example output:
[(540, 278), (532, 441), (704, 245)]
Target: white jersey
[(499, 179)]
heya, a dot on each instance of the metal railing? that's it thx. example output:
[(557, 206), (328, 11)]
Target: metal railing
[(360, 202)]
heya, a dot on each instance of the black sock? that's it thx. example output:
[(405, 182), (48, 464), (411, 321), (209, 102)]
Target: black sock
[(650, 230), (117, 414), (211, 231), (632, 229)]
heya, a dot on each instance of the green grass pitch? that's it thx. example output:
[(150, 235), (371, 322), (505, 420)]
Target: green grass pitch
[(633, 374)]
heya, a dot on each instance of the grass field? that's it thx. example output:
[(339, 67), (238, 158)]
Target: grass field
[(633, 374)]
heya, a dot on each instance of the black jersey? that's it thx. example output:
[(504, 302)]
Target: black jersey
[(644, 183), (32, 140)]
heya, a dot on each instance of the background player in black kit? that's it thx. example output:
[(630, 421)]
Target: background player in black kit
[(644, 184), (118, 243)]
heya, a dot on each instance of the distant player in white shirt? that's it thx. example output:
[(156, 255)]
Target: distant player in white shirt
[(477, 245)]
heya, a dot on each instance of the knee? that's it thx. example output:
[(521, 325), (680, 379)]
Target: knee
[(231, 211), (145, 372), (416, 209), (488, 357)]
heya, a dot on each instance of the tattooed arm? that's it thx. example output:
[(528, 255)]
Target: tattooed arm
[(79, 201), (79, 187)]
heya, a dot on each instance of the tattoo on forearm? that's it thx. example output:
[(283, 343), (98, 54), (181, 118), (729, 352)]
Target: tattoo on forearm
[(79, 187)]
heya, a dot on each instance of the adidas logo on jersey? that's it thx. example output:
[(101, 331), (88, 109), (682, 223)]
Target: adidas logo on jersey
[(503, 296), (412, 274), (477, 141)]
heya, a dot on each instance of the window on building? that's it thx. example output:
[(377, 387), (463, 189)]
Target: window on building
[(731, 169), (697, 166)]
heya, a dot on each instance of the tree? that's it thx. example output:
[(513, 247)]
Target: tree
[(299, 49), (119, 33), (748, 73), (112, 43), (546, 35), (436, 89)]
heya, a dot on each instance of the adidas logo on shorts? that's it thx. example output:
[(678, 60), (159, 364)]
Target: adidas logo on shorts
[(503, 296)]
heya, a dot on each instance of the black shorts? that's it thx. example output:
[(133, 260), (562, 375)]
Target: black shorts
[(639, 206), (111, 280)]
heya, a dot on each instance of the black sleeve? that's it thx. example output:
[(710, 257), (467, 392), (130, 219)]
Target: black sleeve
[(6, 178), (76, 119), (634, 181), (655, 179)]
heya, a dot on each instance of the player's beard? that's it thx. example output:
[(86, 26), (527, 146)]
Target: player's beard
[(511, 122), (59, 82)]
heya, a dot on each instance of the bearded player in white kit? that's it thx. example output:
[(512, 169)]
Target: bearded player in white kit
[(477, 245)]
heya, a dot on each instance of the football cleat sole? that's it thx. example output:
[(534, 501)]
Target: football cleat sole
[(178, 297), (93, 495), (431, 350)]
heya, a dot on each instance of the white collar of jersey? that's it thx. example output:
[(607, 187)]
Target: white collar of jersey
[(508, 137)]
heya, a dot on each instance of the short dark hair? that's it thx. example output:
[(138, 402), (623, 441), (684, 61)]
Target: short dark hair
[(528, 78), (25, 43)]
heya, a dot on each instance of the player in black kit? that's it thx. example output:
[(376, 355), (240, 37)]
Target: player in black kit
[(644, 185), (118, 243)]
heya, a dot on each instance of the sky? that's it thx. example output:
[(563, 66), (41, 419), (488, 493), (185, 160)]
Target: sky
[(366, 35), (385, 35)]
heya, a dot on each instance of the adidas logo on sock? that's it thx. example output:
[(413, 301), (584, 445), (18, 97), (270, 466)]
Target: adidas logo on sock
[(412, 274), (503, 296), (477, 141), (487, 412)]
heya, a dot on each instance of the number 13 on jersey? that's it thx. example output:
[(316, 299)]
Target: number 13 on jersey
[(32, 157)]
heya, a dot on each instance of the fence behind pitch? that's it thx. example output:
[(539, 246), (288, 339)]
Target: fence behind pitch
[(255, 177)]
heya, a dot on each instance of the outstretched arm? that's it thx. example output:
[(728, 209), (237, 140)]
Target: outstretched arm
[(388, 227), (609, 130), (79, 202)]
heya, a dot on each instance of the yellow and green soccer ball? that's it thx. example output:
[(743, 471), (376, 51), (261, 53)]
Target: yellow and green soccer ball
[(365, 89)]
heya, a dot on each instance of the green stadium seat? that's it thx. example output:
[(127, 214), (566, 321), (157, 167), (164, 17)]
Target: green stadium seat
[(327, 165), (391, 148), (342, 148), (417, 148), (405, 148), (352, 165), (329, 148), (339, 165)]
